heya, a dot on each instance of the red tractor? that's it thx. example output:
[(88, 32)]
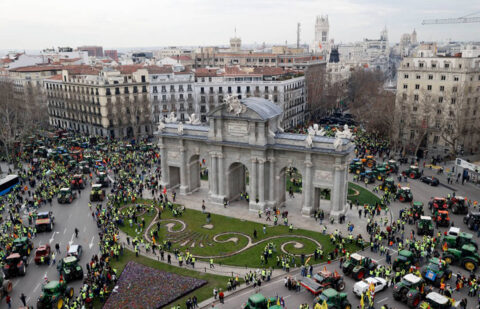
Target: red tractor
[(42, 254), (442, 218), (438, 203), (78, 182)]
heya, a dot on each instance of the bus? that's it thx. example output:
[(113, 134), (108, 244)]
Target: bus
[(8, 183)]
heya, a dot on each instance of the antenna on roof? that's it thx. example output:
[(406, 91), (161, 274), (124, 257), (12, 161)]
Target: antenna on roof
[(235, 32)]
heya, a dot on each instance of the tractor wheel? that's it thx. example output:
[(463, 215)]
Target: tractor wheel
[(412, 175), (28, 251), (357, 172), (360, 274), (69, 292), (401, 198), (470, 264), (341, 286), (403, 295), (448, 275), (347, 306), (413, 302), (7, 286), (59, 302), (470, 224), (380, 187), (455, 209), (22, 270)]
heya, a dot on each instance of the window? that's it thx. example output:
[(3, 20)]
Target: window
[(455, 78), (454, 89), (454, 100), (430, 76), (418, 76), (442, 88), (405, 76), (415, 108), (412, 134), (439, 111), (164, 98), (417, 86), (451, 114), (155, 89), (144, 89), (443, 77), (135, 89), (421, 64), (405, 86), (404, 96), (447, 65), (415, 97), (429, 87), (440, 99), (436, 138)]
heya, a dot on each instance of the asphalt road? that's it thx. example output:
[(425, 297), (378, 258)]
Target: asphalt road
[(67, 218), (421, 192)]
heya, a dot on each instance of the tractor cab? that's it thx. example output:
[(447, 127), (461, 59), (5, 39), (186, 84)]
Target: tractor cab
[(412, 172), (425, 226), (434, 300), (103, 179), (84, 167), (333, 299), (409, 290), (404, 260), (14, 266), (258, 301), (351, 166), (358, 168), (391, 166), (78, 182), (66, 196), (404, 194), (439, 203), (388, 185), (417, 209), (369, 176), (70, 269), (22, 246), (436, 271), (442, 218), (381, 173), (458, 204), (97, 194), (54, 295)]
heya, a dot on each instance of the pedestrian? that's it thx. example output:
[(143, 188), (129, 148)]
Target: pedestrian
[(23, 299), (53, 258), (8, 300)]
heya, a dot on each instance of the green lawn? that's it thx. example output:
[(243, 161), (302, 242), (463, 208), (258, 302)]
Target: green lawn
[(200, 240), (202, 293), (364, 197)]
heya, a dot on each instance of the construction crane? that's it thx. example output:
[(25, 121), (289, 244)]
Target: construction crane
[(460, 20)]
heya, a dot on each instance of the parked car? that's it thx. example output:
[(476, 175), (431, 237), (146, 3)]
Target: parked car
[(430, 180), (361, 287)]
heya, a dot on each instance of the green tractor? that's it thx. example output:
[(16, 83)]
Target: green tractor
[(412, 172), (358, 267), (97, 194), (258, 301), (467, 256), (434, 300), (410, 290), (103, 179), (404, 194), (54, 295), (5, 287), (70, 270), (458, 241), (333, 299), (425, 226), (404, 260), (391, 166), (358, 168), (368, 177), (22, 246), (388, 185), (351, 166), (66, 196), (435, 271), (417, 209), (381, 173)]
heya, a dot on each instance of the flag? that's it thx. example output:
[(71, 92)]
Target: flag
[(445, 247), (165, 190), (362, 303), (306, 262), (153, 239)]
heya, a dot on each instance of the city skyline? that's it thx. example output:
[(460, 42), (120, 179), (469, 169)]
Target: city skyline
[(212, 22)]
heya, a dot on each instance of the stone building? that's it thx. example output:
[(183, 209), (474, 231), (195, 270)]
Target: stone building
[(100, 101), (244, 138), (437, 100)]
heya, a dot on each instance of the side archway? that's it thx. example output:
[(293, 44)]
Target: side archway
[(237, 181)]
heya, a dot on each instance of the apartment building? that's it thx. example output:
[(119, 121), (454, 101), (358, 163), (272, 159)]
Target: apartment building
[(438, 105), (100, 101), (172, 90), (286, 89)]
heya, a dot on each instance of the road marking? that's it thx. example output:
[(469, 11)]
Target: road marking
[(71, 239), (28, 298), (16, 282), (64, 231), (287, 296), (90, 245), (382, 300), (84, 229), (36, 287), (53, 236)]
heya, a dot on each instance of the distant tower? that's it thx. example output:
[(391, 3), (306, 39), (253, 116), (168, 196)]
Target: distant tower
[(384, 34), (413, 37), (298, 35), (235, 43), (322, 27)]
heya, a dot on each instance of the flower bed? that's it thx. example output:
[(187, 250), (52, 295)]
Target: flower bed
[(140, 286)]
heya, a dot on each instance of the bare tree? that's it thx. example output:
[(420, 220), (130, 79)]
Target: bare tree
[(455, 124)]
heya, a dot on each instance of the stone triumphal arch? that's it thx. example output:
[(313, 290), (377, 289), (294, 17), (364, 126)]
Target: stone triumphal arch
[(244, 138)]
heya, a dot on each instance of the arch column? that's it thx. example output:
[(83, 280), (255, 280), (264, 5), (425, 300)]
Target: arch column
[(164, 166), (183, 172), (307, 189), (212, 176), (253, 184), (272, 181), (261, 183), (339, 191), (221, 176)]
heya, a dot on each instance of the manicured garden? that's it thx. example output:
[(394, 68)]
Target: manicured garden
[(231, 241), (364, 196)]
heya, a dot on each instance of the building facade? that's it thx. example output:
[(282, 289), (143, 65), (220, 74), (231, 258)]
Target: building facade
[(98, 101), (93, 51), (437, 105), (321, 41), (112, 53)]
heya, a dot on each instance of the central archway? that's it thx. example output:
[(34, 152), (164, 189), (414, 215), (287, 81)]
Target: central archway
[(290, 182), (237, 181)]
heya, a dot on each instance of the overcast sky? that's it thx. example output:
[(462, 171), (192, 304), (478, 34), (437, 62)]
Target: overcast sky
[(37, 24)]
